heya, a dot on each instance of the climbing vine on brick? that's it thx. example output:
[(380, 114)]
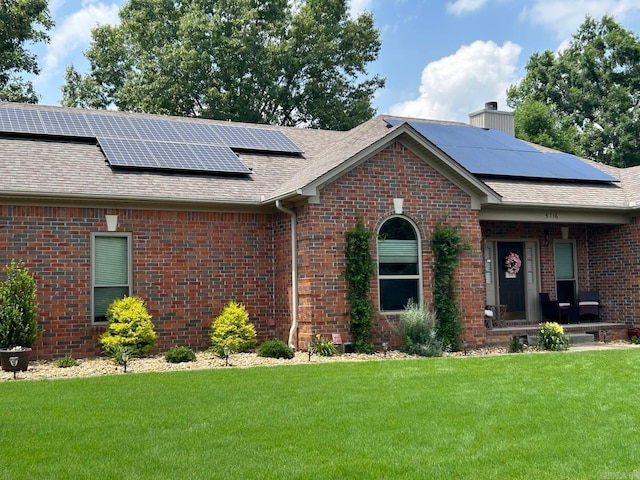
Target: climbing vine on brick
[(358, 273), (447, 246)]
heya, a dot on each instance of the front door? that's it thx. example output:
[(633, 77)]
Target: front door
[(511, 279)]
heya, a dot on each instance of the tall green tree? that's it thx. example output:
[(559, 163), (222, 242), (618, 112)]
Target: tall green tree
[(592, 88), (536, 122), (21, 22), (265, 61)]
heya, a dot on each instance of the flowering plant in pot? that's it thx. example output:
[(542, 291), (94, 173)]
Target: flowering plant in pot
[(18, 313), (633, 332)]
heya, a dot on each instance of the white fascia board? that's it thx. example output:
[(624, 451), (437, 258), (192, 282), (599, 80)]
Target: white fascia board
[(554, 214)]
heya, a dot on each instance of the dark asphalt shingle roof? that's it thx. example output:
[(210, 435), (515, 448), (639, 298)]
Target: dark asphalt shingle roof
[(55, 167)]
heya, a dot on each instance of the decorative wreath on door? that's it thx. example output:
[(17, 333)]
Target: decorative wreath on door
[(512, 263)]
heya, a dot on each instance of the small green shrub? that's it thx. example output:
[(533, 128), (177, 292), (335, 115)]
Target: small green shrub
[(516, 346), (179, 354), (417, 332), (552, 337), (275, 349), (66, 362), (233, 329), (117, 354), (18, 308), (635, 340), (324, 348), (129, 328)]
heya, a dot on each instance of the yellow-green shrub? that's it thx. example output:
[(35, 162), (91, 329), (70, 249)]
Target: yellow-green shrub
[(129, 328), (233, 329)]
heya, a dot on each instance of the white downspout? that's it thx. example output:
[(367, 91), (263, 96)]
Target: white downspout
[(294, 272)]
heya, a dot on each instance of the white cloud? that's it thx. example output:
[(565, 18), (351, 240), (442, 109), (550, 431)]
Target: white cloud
[(565, 16), (459, 84), (356, 7), (462, 6), (74, 35)]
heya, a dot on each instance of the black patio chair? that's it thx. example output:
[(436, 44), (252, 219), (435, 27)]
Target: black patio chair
[(550, 308), (554, 310), (589, 304)]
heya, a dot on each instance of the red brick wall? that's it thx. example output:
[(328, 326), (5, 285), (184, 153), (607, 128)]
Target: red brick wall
[(186, 265), (367, 192), (614, 270)]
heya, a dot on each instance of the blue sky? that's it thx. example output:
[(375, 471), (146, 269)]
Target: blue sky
[(441, 59)]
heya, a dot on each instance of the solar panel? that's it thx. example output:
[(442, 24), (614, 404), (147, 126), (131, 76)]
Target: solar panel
[(223, 158), (111, 126), (196, 133), (250, 138), (126, 153), (492, 152), (272, 140), (171, 156), (156, 129), (65, 124), (18, 120)]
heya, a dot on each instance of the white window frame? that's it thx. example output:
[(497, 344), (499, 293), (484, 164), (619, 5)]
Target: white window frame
[(418, 276), (129, 284)]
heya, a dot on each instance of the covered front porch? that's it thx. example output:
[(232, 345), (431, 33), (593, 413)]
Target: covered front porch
[(559, 253)]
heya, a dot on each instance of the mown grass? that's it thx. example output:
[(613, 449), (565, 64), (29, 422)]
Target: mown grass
[(558, 415)]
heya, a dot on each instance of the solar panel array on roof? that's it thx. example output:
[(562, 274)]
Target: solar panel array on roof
[(110, 125), (490, 152), (154, 142), (129, 153)]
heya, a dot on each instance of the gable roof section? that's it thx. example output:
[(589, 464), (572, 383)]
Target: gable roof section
[(361, 143)]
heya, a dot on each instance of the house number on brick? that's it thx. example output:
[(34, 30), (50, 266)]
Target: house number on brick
[(551, 215)]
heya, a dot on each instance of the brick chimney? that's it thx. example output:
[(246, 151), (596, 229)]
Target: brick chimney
[(491, 117)]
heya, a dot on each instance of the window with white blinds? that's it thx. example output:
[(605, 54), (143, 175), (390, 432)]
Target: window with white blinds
[(111, 271), (398, 264)]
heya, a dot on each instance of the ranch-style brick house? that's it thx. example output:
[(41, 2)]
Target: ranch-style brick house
[(189, 214)]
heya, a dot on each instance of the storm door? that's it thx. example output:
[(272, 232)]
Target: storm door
[(511, 279)]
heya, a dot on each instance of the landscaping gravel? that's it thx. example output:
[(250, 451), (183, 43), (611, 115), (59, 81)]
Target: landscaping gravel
[(206, 360)]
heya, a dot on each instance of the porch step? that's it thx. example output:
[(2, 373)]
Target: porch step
[(581, 338), (574, 339)]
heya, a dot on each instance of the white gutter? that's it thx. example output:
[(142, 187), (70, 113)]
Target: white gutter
[(294, 272)]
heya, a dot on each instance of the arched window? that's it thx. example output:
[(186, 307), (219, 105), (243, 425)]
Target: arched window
[(398, 264)]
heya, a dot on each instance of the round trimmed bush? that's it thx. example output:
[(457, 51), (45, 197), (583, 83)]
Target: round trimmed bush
[(179, 354), (275, 349), (233, 329), (129, 328)]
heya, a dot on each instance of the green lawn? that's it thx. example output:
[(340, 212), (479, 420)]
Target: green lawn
[(557, 415)]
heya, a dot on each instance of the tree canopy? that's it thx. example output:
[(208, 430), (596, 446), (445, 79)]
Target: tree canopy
[(21, 22), (588, 95), (262, 61)]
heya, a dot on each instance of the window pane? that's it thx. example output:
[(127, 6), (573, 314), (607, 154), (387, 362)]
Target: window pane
[(398, 269), (102, 298), (111, 261), (397, 228), (395, 294), (564, 261)]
